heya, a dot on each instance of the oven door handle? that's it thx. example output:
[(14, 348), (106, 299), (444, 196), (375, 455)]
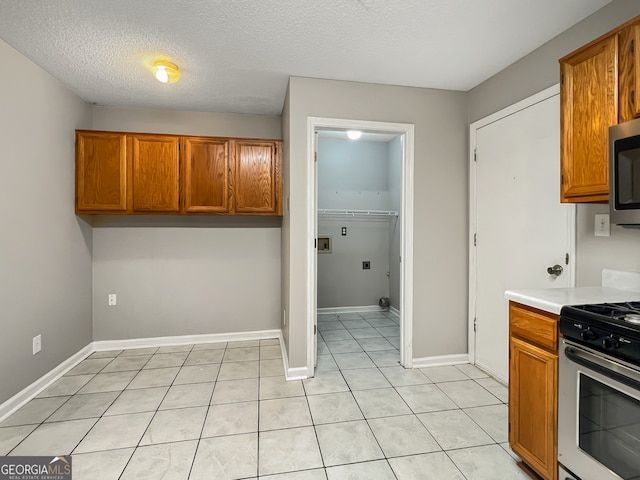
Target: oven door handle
[(576, 356)]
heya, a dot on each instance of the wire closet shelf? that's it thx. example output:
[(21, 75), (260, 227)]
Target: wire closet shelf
[(328, 212)]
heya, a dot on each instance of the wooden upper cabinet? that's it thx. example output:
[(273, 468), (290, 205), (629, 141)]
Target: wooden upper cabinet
[(155, 161), (257, 185), (101, 172), (629, 72), (589, 105), (205, 175)]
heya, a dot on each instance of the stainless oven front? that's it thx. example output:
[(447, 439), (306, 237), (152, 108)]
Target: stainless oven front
[(598, 415)]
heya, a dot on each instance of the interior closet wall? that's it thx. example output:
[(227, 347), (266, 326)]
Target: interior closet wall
[(354, 175), (394, 175)]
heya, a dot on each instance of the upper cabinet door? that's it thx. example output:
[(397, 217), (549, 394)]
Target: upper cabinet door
[(156, 169), (629, 72), (589, 105), (257, 183), (101, 172), (205, 175)]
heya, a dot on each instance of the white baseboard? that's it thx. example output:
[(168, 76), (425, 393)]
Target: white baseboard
[(29, 392), (394, 310), (297, 373), (441, 360), (498, 377), (183, 340), (364, 308)]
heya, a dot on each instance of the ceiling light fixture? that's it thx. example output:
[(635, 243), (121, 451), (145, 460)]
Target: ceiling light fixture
[(166, 72), (354, 134)]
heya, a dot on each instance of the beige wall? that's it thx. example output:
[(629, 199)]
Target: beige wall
[(440, 233), (176, 275), (45, 250), (532, 74)]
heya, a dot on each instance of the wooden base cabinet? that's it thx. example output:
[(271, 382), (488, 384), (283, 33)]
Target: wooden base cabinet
[(533, 388), (130, 173)]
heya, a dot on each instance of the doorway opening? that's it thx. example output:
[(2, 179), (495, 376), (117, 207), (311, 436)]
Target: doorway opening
[(361, 232)]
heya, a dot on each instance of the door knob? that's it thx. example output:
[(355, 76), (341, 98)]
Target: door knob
[(555, 270)]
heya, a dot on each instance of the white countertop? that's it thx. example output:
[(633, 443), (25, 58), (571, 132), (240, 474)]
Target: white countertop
[(553, 299)]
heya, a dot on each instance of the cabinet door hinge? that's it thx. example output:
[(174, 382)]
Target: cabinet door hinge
[(562, 179), (475, 324), (633, 96), (562, 79), (566, 259), (633, 46)]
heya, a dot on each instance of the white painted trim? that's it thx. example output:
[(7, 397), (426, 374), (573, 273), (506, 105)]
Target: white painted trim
[(497, 376), (394, 310), (298, 373), (365, 308), (29, 392), (441, 360), (473, 128), (184, 340), (407, 131)]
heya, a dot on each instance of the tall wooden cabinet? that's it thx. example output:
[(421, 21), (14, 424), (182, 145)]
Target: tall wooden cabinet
[(598, 85), (533, 388), (130, 173)]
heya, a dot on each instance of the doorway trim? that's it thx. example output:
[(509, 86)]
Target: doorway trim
[(406, 132), (473, 129)]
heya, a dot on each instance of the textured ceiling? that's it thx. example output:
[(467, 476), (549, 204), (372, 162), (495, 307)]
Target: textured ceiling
[(236, 55)]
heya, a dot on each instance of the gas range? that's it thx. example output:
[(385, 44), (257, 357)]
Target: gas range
[(612, 328)]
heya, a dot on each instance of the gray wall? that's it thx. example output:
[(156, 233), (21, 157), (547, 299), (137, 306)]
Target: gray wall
[(177, 276), (532, 74), (45, 250), (395, 228), (440, 265), (353, 175)]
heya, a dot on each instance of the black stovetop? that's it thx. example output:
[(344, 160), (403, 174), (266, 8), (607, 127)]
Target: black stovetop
[(613, 328)]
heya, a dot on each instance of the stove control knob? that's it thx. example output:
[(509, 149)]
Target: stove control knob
[(587, 334), (610, 343)]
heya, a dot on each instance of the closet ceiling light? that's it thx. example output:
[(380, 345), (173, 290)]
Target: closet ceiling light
[(354, 134), (166, 72)]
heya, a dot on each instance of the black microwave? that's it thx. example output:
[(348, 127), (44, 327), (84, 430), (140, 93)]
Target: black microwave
[(624, 173)]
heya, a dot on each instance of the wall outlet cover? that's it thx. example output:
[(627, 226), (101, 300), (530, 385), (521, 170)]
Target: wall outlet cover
[(112, 299), (37, 344), (602, 225)]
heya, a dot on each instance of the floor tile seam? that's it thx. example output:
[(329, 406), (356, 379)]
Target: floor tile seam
[(477, 424), (195, 454)]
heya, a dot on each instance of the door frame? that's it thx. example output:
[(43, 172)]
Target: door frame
[(473, 129), (406, 132)]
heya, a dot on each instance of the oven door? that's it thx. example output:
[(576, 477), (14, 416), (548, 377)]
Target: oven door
[(598, 415)]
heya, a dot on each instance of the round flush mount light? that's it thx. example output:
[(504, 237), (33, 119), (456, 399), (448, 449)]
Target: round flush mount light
[(166, 72), (354, 134)]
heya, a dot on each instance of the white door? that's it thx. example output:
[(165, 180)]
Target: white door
[(521, 227)]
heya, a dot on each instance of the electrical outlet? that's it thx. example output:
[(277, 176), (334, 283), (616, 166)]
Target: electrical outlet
[(366, 265), (602, 226), (112, 299), (344, 231), (37, 344)]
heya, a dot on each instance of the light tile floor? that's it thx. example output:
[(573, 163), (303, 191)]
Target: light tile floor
[(224, 411)]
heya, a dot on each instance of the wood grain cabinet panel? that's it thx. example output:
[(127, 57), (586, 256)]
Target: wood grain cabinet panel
[(257, 186), (205, 175), (101, 172), (142, 173), (156, 168), (533, 399), (589, 105), (629, 73), (533, 388)]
